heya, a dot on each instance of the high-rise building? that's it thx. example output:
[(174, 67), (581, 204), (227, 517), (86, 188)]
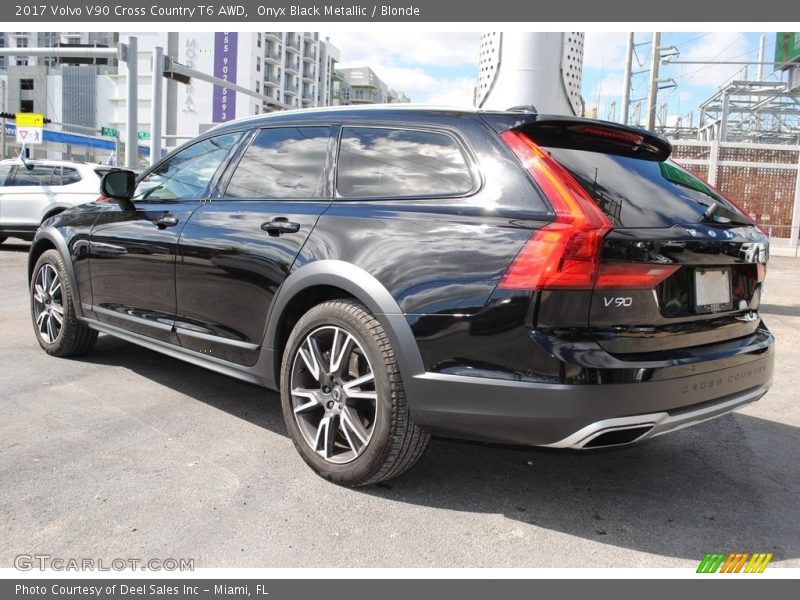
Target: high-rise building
[(62, 92), (360, 85)]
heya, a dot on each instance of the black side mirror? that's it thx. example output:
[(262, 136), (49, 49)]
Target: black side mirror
[(120, 186)]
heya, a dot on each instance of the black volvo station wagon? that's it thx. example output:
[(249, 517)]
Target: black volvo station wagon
[(399, 272)]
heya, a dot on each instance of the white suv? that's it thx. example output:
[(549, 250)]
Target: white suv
[(35, 190)]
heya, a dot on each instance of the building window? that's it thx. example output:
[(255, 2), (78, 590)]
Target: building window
[(258, 64), (258, 42), (26, 106), (258, 87), (26, 84), (22, 42)]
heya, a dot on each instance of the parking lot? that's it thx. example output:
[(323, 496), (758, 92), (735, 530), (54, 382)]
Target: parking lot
[(127, 453)]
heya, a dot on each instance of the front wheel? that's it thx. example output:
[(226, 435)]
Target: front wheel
[(343, 398), (58, 330)]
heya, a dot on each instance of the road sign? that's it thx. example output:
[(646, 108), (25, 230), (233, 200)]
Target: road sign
[(787, 49), (30, 120), (109, 131), (143, 135), (29, 135)]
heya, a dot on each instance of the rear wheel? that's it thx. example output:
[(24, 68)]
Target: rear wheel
[(343, 399), (57, 329)]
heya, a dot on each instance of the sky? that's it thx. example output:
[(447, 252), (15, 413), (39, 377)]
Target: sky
[(441, 68)]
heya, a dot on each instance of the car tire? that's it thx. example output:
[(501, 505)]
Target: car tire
[(343, 398), (57, 329)]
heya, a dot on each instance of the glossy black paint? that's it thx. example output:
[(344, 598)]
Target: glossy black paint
[(230, 269), (205, 286)]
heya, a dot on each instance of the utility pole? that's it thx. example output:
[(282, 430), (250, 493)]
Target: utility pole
[(155, 104), (132, 126), (652, 97), (626, 86), (3, 122), (172, 86)]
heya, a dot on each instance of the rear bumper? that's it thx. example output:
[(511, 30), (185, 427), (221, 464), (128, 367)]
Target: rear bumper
[(572, 416)]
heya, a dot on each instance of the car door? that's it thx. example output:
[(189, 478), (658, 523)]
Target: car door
[(236, 250), (132, 252)]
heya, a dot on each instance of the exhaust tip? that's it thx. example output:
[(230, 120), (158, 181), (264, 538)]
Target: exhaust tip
[(618, 436)]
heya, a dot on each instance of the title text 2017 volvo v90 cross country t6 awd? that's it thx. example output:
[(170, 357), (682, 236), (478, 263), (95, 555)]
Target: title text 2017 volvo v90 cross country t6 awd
[(402, 272)]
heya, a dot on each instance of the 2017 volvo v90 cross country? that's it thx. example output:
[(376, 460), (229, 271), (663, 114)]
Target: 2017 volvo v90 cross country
[(402, 272)]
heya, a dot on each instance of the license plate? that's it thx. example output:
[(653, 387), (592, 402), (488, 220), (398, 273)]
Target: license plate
[(712, 290)]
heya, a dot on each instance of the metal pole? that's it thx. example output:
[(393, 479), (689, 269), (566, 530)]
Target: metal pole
[(3, 122), (172, 86), (652, 97), (626, 86), (762, 46), (155, 115), (131, 142), (723, 121)]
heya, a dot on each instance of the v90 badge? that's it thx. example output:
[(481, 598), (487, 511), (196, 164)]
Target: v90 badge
[(618, 301)]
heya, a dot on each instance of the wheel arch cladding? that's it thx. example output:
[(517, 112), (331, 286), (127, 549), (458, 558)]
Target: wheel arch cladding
[(50, 239), (341, 279)]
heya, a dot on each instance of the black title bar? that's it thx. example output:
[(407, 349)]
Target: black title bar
[(417, 11)]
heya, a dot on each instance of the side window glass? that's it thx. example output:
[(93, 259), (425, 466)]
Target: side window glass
[(185, 176), (377, 162), (5, 175), (69, 175), (284, 162), (39, 175)]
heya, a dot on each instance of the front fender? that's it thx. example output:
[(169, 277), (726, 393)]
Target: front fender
[(45, 239)]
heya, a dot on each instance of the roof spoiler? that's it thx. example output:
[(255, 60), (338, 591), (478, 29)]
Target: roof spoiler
[(583, 134)]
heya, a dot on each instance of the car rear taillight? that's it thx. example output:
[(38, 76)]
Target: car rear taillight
[(564, 254), (632, 276)]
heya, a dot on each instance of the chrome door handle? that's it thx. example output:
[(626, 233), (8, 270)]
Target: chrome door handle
[(165, 220), (280, 225)]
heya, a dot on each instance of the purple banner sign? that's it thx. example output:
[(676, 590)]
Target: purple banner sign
[(225, 57)]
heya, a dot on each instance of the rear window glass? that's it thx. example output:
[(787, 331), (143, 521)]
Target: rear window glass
[(640, 193), (392, 163), (284, 162), (39, 175), (69, 175)]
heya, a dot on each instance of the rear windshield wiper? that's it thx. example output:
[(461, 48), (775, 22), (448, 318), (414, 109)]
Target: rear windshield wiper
[(722, 215)]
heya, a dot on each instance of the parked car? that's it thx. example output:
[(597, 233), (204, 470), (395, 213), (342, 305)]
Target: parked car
[(399, 272), (32, 191)]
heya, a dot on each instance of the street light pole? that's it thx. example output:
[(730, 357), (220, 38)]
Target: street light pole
[(155, 103), (131, 127)]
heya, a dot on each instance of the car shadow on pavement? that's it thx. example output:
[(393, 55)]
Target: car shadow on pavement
[(15, 246), (727, 485), (731, 484), (250, 402)]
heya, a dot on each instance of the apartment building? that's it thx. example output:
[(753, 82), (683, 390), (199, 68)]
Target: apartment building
[(360, 85)]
